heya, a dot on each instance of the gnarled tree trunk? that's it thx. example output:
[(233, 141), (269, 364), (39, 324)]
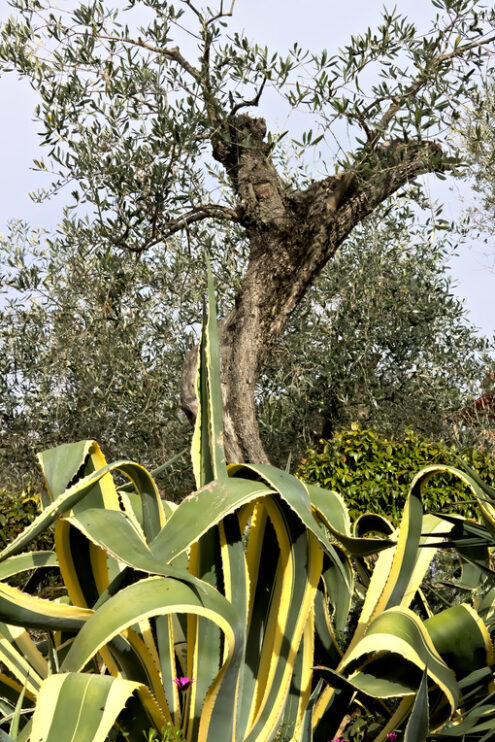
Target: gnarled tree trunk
[(292, 235)]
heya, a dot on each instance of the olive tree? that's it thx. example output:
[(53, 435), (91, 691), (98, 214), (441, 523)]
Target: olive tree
[(159, 142)]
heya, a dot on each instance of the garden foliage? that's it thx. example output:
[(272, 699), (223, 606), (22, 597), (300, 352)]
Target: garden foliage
[(373, 472)]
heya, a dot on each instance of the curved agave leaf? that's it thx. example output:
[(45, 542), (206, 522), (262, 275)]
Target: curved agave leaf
[(18, 637), (482, 493), (335, 595), (389, 660), (62, 504), (396, 579), (296, 495), (23, 562), (330, 508), (372, 523), (20, 667), (295, 717), (400, 634), (472, 725), (91, 486), (11, 689), (153, 596), (198, 512), (83, 565), (461, 639), (61, 465), (21, 609), (115, 533), (84, 707)]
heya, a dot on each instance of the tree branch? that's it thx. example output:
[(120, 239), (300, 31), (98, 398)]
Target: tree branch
[(247, 103), (221, 13), (165, 230), (420, 82), (173, 54)]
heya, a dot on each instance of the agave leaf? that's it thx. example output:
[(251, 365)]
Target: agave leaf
[(295, 715), (152, 596), (339, 590), (300, 563), (83, 707), (387, 662), (293, 492), (398, 573), (478, 720), (10, 690), (372, 523), (19, 666), (330, 508), (207, 451), (135, 657), (61, 505), (481, 491), (18, 637), (461, 639), (198, 512), (153, 516), (398, 638), (417, 726), (324, 627), (204, 638), (60, 464), (305, 732), (23, 562), (219, 558), (21, 609), (97, 487), (14, 725), (114, 532)]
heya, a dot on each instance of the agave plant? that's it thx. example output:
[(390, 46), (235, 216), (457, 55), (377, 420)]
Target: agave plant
[(203, 616), (442, 667), (475, 543), (218, 590)]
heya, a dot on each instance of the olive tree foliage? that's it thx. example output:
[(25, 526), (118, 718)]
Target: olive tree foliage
[(150, 113), (476, 135), (92, 346)]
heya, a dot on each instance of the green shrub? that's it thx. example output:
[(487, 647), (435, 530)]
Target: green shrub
[(17, 511), (373, 472)]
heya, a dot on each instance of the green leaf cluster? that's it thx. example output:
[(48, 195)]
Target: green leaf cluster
[(373, 472), (17, 511)]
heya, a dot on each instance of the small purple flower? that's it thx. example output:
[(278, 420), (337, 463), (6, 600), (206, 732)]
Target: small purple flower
[(392, 737), (183, 683)]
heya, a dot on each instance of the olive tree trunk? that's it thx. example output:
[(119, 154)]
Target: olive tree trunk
[(292, 235)]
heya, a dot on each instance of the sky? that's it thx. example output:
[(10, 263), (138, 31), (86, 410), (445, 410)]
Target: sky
[(314, 24)]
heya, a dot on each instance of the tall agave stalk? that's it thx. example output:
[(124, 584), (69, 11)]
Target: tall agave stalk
[(204, 614)]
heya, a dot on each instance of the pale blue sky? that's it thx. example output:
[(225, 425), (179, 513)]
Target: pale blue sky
[(315, 24)]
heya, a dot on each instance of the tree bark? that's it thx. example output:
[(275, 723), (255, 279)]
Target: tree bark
[(292, 236)]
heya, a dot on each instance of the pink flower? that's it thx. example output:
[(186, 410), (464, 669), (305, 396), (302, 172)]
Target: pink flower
[(392, 737), (183, 683)]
